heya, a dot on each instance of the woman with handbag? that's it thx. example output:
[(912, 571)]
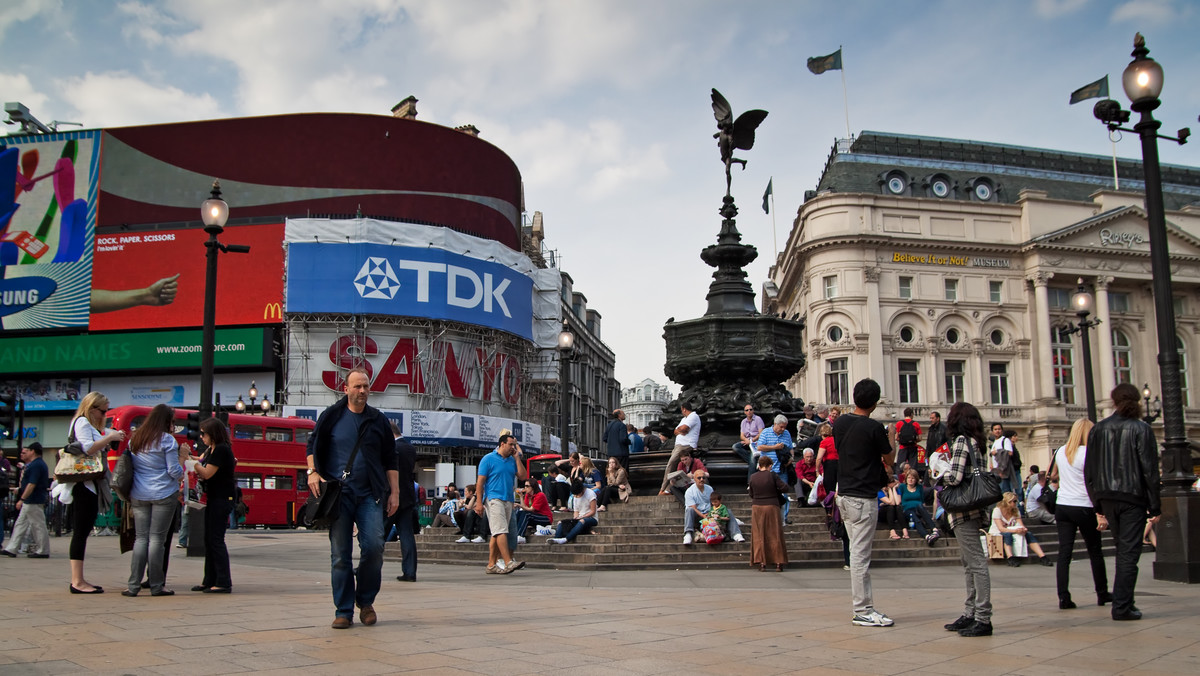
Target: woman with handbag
[(616, 488), (215, 468), (157, 463), (1018, 541), (767, 491), (1074, 512), (967, 465), (87, 429)]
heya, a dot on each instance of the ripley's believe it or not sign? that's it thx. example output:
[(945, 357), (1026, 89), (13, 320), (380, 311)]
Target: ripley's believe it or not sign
[(959, 261)]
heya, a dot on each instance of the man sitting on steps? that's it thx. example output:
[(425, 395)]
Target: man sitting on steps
[(697, 504)]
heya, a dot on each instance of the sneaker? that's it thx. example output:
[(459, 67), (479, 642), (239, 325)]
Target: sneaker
[(462, 540), (478, 539), (846, 567), (556, 541), (491, 570), (874, 619), (520, 539), (514, 566), (933, 537), (687, 538), (739, 538), (977, 628), (961, 623)]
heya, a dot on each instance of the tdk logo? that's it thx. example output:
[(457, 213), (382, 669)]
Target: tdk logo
[(464, 288), (376, 279)]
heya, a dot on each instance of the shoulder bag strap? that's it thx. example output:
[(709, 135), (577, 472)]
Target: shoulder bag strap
[(362, 429)]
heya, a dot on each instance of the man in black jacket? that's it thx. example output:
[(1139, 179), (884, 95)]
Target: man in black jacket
[(1122, 478), (406, 518), (350, 435), (616, 439)]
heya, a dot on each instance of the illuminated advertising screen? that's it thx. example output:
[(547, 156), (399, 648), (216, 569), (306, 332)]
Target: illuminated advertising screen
[(47, 217), (155, 279)]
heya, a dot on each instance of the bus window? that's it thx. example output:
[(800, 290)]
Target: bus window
[(245, 481), (252, 432), (302, 435), (279, 434), (279, 482), (180, 427)]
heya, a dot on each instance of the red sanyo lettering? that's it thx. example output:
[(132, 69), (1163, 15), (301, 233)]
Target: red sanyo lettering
[(346, 353), (499, 375)]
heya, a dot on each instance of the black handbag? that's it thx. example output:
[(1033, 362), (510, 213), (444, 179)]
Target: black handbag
[(977, 490), (1049, 497), (320, 511)]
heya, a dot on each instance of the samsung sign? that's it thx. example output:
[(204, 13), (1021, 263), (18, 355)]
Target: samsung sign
[(407, 281)]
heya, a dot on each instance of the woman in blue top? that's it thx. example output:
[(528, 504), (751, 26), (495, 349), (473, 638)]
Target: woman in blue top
[(912, 501), (157, 469)]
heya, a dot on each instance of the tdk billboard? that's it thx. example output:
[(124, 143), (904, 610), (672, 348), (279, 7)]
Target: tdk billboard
[(412, 282)]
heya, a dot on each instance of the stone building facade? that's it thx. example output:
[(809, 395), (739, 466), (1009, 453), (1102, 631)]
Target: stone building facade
[(944, 269), (644, 402)]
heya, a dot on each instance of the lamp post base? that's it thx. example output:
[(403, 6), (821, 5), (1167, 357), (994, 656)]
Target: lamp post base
[(1178, 554)]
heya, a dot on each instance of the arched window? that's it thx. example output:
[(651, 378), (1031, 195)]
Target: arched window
[(1183, 370), (1122, 358), (1064, 369)]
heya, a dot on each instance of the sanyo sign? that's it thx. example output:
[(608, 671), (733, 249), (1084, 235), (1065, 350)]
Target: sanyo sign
[(407, 281)]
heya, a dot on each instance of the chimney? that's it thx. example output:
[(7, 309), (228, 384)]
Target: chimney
[(468, 129), (406, 109)]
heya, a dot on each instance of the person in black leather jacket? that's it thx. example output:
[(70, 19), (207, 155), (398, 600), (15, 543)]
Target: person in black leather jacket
[(1122, 477)]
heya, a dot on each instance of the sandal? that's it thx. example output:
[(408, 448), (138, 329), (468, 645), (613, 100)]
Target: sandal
[(893, 536)]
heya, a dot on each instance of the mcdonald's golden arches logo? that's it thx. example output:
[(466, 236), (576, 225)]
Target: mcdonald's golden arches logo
[(273, 311)]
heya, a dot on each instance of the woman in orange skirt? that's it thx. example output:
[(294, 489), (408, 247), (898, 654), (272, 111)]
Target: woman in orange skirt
[(766, 521)]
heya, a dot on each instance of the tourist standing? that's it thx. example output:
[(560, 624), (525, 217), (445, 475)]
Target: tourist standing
[(766, 525), (616, 439), (864, 449), (32, 493), (154, 498), (89, 498), (966, 451), (215, 467)]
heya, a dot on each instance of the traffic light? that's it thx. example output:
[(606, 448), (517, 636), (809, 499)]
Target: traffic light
[(193, 426), (8, 415), (223, 416)]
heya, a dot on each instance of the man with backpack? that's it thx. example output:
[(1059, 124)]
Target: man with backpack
[(908, 431)]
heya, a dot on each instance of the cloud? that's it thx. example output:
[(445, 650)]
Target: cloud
[(119, 98), (146, 23), (1052, 9), (16, 11), (1147, 12)]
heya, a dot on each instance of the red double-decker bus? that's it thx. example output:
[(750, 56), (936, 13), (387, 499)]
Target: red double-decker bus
[(271, 467)]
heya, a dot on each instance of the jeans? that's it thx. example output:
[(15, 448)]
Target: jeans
[(921, 519), (152, 525), (1083, 520), (1127, 522), (975, 567), (216, 554), (860, 516), (691, 523), (786, 506), (352, 588), (31, 524), (526, 517), (408, 542), (582, 526), (743, 451)]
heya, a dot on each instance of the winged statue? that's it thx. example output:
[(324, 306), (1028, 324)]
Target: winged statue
[(733, 134)]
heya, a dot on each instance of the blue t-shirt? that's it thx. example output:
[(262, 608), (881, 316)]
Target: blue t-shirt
[(501, 476), (345, 435), (37, 474)]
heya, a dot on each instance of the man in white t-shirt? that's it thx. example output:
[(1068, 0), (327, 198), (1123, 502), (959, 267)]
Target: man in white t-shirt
[(687, 435), (697, 502), (583, 504)]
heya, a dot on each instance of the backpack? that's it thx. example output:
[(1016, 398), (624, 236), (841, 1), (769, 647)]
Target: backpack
[(907, 436)]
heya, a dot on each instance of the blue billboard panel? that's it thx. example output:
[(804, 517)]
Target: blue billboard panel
[(407, 281)]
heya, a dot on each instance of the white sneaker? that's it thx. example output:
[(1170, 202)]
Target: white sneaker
[(478, 539), (739, 538), (520, 539), (557, 541), (873, 619), (739, 521), (463, 539), (687, 538), (845, 567)]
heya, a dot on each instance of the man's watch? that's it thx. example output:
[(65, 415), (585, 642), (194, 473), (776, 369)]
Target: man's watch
[(311, 471)]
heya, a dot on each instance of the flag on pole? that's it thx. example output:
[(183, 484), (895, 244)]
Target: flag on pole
[(1095, 90), (770, 191), (820, 64)]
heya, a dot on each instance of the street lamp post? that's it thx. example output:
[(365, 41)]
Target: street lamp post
[(1151, 414), (1082, 301), (1178, 553), (214, 212), (241, 406), (566, 344)]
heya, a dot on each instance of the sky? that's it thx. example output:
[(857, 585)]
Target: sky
[(604, 105)]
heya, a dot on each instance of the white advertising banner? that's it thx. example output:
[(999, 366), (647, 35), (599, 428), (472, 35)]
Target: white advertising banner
[(183, 390), (449, 428)]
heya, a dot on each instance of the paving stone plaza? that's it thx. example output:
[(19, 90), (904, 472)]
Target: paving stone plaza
[(456, 620)]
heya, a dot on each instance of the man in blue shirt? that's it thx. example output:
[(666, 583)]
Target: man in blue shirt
[(775, 442), (31, 501), (351, 433), (496, 483), (636, 445)]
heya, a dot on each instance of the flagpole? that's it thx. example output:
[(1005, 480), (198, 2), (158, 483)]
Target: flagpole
[(1116, 179), (845, 98), (774, 236)]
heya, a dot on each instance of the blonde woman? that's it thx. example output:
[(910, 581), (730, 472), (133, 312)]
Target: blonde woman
[(1075, 513), (589, 474), (1006, 521), (87, 427)]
